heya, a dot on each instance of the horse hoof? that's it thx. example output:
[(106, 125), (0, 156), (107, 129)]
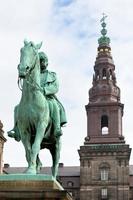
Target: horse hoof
[(38, 169), (30, 171), (54, 177)]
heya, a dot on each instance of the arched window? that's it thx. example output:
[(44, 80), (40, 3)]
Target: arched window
[(97, 75), (104, 74), (104, 124), (110, 71), (105, 130)]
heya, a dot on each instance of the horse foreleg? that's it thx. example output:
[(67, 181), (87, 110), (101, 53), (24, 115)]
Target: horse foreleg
[(36, 147), (26, 142), (55, 152), (38, 164)]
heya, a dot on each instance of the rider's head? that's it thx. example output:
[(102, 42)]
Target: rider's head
[(43, 60)]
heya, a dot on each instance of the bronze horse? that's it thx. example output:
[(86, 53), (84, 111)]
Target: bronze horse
[(32, 113)]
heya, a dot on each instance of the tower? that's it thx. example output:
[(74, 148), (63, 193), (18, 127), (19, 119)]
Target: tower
[(104, 157)]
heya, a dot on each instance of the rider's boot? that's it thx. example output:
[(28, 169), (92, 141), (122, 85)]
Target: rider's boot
[(14, 133), (11, 133)]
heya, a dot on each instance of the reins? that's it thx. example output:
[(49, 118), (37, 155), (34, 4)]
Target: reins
[(33, 84)]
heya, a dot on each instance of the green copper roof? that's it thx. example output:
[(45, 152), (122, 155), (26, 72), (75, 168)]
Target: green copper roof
[(103, 40)]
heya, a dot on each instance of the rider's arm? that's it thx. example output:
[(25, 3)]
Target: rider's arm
[(52, 85)]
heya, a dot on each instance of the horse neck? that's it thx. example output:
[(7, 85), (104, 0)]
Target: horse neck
[(35, 74), (32, 82)]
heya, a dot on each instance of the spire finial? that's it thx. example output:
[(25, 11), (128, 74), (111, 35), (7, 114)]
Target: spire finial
[(103, 40), (103, 18)]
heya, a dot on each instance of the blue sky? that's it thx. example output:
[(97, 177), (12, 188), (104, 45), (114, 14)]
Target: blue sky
[(62, 3), (69, 31)]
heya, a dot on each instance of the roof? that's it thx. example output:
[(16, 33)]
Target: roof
[(63, 171), (70, 171)]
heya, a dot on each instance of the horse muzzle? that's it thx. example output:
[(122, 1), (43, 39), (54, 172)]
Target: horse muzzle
[(22, 75)]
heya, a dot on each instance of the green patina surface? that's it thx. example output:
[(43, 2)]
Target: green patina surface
[(27, 177), (108, 146), (103, 40), (39, 116)]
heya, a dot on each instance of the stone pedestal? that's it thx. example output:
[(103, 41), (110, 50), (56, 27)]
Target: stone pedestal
[(22, 186)]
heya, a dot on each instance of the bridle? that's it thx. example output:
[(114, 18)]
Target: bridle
[(20, 84), (32, 83)]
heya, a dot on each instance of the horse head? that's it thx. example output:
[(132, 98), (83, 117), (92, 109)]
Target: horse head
[(28, 56)]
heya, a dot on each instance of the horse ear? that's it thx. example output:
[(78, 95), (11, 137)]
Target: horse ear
[(25, 42), (38, 46)]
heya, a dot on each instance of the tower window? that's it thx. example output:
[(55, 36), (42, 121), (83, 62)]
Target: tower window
[(104, 124), (104, 74), (104, 193), (105, 131), (104, 169), (97, 75), (110, 74), (104, 174)]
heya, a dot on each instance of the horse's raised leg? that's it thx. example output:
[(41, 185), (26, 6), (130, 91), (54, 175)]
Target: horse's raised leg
[(36, 147), (55, 152)]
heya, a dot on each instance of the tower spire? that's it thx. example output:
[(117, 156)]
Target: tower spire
[(103, 40), (104, 157), (105, 108)]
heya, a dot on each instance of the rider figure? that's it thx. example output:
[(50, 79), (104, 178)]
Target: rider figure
[(50, 86)]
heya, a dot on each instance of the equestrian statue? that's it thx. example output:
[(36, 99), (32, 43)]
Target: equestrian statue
[(39, 116)]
